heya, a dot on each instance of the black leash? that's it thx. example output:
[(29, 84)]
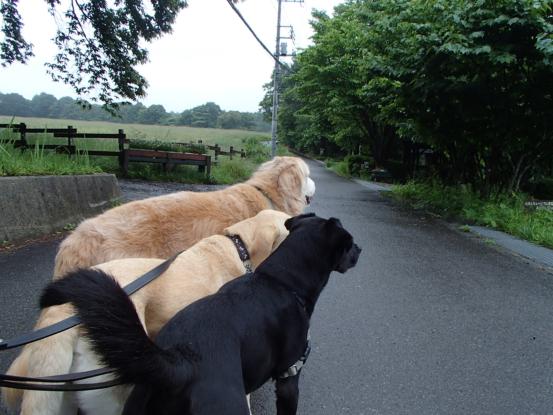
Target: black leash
[(66, 387), (74, 320), (20, 382)]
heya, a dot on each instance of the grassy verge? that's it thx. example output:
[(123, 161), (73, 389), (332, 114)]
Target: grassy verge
[(507, 213), (37, 162), (338, 167)]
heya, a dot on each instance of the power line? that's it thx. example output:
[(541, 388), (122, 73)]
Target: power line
[(231, 4)]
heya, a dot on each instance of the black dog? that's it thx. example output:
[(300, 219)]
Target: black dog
[(215, 351)]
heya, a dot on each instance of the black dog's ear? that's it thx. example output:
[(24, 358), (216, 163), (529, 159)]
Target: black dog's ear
[(334, 222), (294, 220)]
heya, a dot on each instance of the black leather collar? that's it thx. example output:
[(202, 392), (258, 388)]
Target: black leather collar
[(242, 252)]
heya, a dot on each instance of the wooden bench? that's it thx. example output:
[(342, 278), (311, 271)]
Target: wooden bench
[(166, 158)]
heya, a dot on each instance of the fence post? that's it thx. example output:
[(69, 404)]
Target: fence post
[(231, 151), (23, 135), (217, 148), (123, 156), (69, 138), (208, 170)]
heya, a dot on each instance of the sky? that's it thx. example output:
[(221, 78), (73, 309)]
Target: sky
[(210, 56)]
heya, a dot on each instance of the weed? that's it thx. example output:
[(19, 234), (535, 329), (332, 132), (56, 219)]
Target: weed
[(69, 227), (505, 212)]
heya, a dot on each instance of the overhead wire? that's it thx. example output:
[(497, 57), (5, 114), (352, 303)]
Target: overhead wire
[(232, 5)]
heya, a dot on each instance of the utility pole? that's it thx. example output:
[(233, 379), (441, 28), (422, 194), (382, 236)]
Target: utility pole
[(275, 84), (276, 79)]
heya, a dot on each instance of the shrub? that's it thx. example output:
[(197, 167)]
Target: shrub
[(506, 212), (164, 146)]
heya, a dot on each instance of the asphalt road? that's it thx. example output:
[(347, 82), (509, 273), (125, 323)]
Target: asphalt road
[(431, 321)]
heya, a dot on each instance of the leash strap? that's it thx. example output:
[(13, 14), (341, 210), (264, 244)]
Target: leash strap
[(74, 320), (68, 387), (70, 377)]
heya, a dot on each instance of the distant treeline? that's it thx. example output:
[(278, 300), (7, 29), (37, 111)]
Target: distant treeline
[(209, 115)]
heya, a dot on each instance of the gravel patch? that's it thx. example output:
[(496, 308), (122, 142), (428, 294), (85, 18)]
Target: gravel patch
[(140, 189)]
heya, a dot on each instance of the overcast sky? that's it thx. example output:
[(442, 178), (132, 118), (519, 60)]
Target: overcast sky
[(210, 56)]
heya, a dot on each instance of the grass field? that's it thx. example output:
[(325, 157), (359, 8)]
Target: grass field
[(224, 138)]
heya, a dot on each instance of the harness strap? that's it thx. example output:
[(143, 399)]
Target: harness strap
[(74, 320), (295, 369)]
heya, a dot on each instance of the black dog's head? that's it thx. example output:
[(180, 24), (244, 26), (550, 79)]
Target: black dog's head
[(343, 252)]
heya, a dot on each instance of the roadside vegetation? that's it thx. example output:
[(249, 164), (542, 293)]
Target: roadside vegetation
[(510, 213), (37, 161), (448, 92)]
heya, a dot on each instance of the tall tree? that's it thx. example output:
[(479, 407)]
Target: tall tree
[(100, 44)]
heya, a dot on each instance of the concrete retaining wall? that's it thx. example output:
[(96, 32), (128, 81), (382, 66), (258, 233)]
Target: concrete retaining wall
[(37, 205)]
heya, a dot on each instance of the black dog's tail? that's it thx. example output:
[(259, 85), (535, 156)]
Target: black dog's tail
[(114, 329)]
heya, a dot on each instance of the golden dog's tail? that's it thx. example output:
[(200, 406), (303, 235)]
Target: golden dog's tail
[(81, 249), (114, 329)]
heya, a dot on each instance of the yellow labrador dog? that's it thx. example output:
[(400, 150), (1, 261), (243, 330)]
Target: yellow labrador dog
[(199, 271), (157, 228)]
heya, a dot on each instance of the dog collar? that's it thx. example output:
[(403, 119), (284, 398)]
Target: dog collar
[(260, 190), (242, 252), (294, 370)]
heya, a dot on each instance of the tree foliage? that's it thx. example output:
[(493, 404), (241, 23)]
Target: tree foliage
[(207, 115), (472, 80), (100, 44)]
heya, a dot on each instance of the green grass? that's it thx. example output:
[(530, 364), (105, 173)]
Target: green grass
[(225, 171), (38, 162), (338, 167), (507, 213), (212, 136)]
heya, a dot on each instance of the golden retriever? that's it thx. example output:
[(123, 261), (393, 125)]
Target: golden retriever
[(157, 228), (197, 272)]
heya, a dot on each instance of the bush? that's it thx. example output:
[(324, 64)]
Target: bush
[(164, 146), (338, 167), (506, 212), (358, 164), (232, 171), (256, 148)]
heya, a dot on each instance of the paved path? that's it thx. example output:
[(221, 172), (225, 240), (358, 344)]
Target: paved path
[(431, 321)]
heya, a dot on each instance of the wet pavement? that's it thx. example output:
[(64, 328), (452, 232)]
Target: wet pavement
[(431, 321)]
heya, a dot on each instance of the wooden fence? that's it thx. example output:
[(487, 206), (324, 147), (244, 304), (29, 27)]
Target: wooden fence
[(124, 153)]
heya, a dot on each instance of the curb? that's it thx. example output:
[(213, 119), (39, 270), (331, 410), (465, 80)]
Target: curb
[(32, 206), (536, 253), (539, 255)]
